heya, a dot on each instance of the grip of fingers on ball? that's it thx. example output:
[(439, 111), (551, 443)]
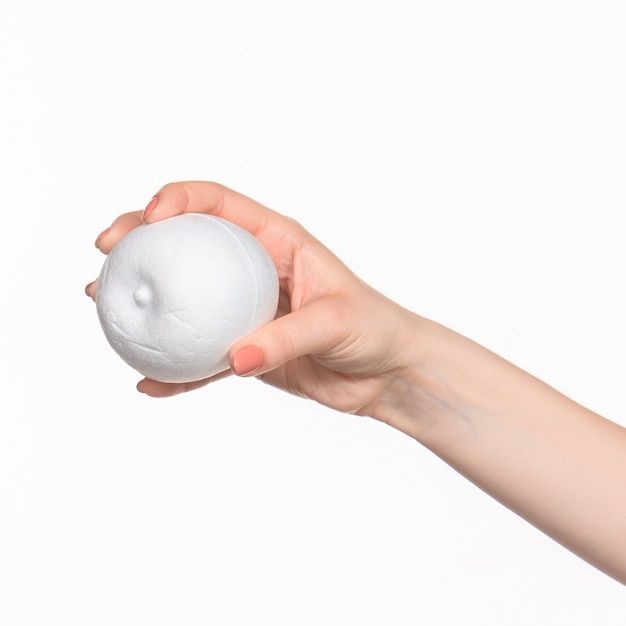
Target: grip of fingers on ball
[(173, 296)]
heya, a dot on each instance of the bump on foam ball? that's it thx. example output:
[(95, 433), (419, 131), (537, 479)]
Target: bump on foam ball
[(173, 296)]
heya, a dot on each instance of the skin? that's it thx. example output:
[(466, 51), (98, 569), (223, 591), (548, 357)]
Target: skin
[(338, 341)]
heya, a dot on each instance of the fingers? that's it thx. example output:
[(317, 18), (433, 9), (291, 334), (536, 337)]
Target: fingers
[(212, 198), (120, 227), (193, 197), (91, 289), (284, 239), (157, 389), (109, 237)]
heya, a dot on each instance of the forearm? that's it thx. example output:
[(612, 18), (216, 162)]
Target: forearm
[(552, 461)]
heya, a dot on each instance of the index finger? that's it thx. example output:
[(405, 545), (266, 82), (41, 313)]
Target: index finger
[(214, 199)]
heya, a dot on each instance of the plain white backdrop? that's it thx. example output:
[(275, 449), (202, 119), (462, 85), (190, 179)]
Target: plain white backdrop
[(467, 159)]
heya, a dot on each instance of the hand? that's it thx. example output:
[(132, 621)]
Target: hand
[(338, 341), (335, 339)]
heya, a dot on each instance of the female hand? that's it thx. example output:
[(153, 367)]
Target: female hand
[(335, 339), (338, 341)]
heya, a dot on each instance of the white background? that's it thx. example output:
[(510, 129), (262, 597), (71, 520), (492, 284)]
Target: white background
[(468, 159)]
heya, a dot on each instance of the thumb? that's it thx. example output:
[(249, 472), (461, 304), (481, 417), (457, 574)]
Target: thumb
[(314, 329)]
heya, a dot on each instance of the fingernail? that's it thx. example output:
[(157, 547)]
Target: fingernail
[(150, 207), (247, 361), (102, 234)]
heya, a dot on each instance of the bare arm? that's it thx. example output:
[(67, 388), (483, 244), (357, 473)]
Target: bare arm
[(339, 342), (552, 461)]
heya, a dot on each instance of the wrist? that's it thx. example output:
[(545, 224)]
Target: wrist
[(445, 382)]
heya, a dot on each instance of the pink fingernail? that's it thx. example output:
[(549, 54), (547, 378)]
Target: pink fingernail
[(151, 205), (247, 361)]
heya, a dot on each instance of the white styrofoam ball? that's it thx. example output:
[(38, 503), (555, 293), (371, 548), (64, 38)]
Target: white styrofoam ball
[(173, 296)]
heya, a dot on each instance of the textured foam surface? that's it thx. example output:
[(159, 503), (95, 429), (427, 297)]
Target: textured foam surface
[(173, 296)]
